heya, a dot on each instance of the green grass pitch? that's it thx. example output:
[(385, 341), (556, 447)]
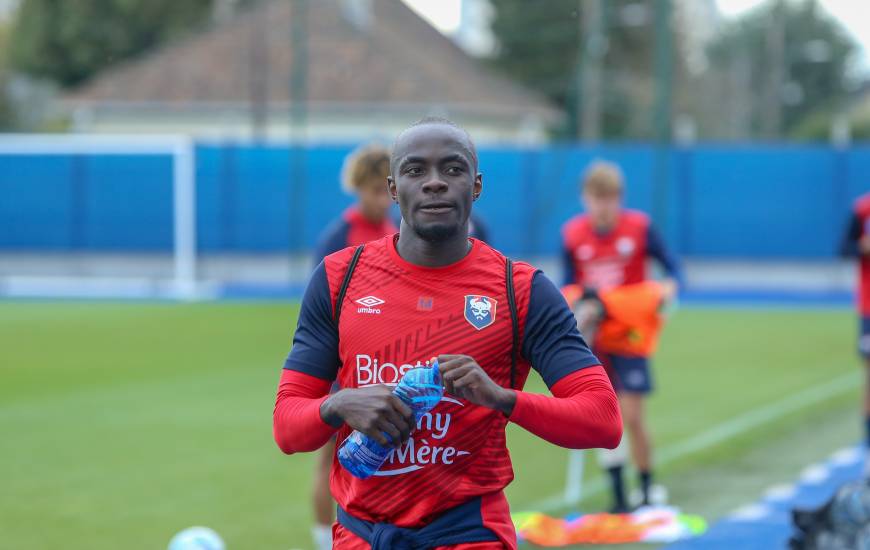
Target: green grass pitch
[(122, 423)]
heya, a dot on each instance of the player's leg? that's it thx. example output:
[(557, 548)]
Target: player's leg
[(867, 415), (867, 400), (634, 417), (864, 350), (613, 460), (324, 507), (636, 384)]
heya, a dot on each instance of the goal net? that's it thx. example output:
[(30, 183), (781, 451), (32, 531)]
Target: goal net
[(98, 216)]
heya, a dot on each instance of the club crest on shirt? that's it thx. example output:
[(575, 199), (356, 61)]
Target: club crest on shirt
[(625, 246), (480, 310), (585, 252)]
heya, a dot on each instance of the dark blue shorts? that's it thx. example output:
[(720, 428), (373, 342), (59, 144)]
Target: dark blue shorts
[(864, 338), (628, 374)]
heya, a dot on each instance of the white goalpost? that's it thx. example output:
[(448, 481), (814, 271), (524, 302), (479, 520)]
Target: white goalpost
[(182, 283), (574, 478)]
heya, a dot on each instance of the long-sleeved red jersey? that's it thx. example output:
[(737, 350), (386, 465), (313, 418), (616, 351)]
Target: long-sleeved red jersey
[(397, 315)]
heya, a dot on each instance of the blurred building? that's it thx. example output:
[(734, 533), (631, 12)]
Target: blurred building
[(353, 67), (7, 9)]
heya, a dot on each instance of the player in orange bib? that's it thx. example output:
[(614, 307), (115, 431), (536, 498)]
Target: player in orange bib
[(608, 248), (624, 320)]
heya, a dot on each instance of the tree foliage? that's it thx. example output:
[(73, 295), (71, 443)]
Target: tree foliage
[(67, 41), (6, 115), (539, 44), (814, 60)]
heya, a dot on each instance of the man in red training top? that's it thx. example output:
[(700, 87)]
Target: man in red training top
[(607, 247), (430, 291), (856, 243), (363, 175)]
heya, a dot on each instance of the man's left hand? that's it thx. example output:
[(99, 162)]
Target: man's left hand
[(464, 378), (670, 288)]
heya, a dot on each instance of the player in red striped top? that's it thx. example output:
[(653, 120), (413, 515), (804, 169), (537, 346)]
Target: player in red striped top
[(430, 291), (856, 243), (363, 175), (368, 218), (608, 247)]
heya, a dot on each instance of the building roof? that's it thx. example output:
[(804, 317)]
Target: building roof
[(366, 53)]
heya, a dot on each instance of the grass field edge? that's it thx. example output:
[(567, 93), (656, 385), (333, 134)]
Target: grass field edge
[(720, 433)]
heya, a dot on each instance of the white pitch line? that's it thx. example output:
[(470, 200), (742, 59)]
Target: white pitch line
[(847, 456), (750, 512), (813, 474), (779, 493), (725, 431)]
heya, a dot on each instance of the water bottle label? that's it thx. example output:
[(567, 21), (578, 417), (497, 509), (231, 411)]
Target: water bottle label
[(367, 457), (421, 389)]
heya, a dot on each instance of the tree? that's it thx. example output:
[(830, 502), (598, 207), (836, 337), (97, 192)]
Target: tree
[(6, 116), (539, 47), (817, 126), (794, 59), (67, 42), (539, 44)]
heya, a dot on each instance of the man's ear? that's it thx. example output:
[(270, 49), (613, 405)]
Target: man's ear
[(477, 189), (391, 185)]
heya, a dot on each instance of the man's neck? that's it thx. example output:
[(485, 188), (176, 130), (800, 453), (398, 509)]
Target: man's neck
[(603, 228), (374, 220), (368, 217), (420, 252)]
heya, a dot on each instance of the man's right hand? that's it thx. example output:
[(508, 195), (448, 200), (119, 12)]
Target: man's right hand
[(373, 410), (864, 245)]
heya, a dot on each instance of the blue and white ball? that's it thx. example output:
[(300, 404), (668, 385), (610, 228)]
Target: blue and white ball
[(197, 538)]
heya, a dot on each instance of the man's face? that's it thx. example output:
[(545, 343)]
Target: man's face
[(603, 208), (434, 180), (374, 200)]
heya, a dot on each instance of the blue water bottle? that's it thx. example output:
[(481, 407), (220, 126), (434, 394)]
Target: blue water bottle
[(420, 388)]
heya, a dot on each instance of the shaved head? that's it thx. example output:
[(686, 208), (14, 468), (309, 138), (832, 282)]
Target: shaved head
[(434, 179), (462, 136)]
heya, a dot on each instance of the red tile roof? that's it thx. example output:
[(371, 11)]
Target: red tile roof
[(397, 59)]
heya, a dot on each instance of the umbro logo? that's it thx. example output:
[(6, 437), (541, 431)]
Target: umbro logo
[(369, 305), (370, 301)]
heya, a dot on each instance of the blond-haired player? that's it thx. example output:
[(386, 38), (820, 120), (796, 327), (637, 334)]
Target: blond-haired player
[(606, 247), (363, 175)]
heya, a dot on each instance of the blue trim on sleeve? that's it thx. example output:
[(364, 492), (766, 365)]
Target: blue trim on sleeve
[(551, 341), (333, 239), (656, 249), (315, 343)]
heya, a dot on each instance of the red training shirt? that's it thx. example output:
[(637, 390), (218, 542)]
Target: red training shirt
[(397, 315)]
